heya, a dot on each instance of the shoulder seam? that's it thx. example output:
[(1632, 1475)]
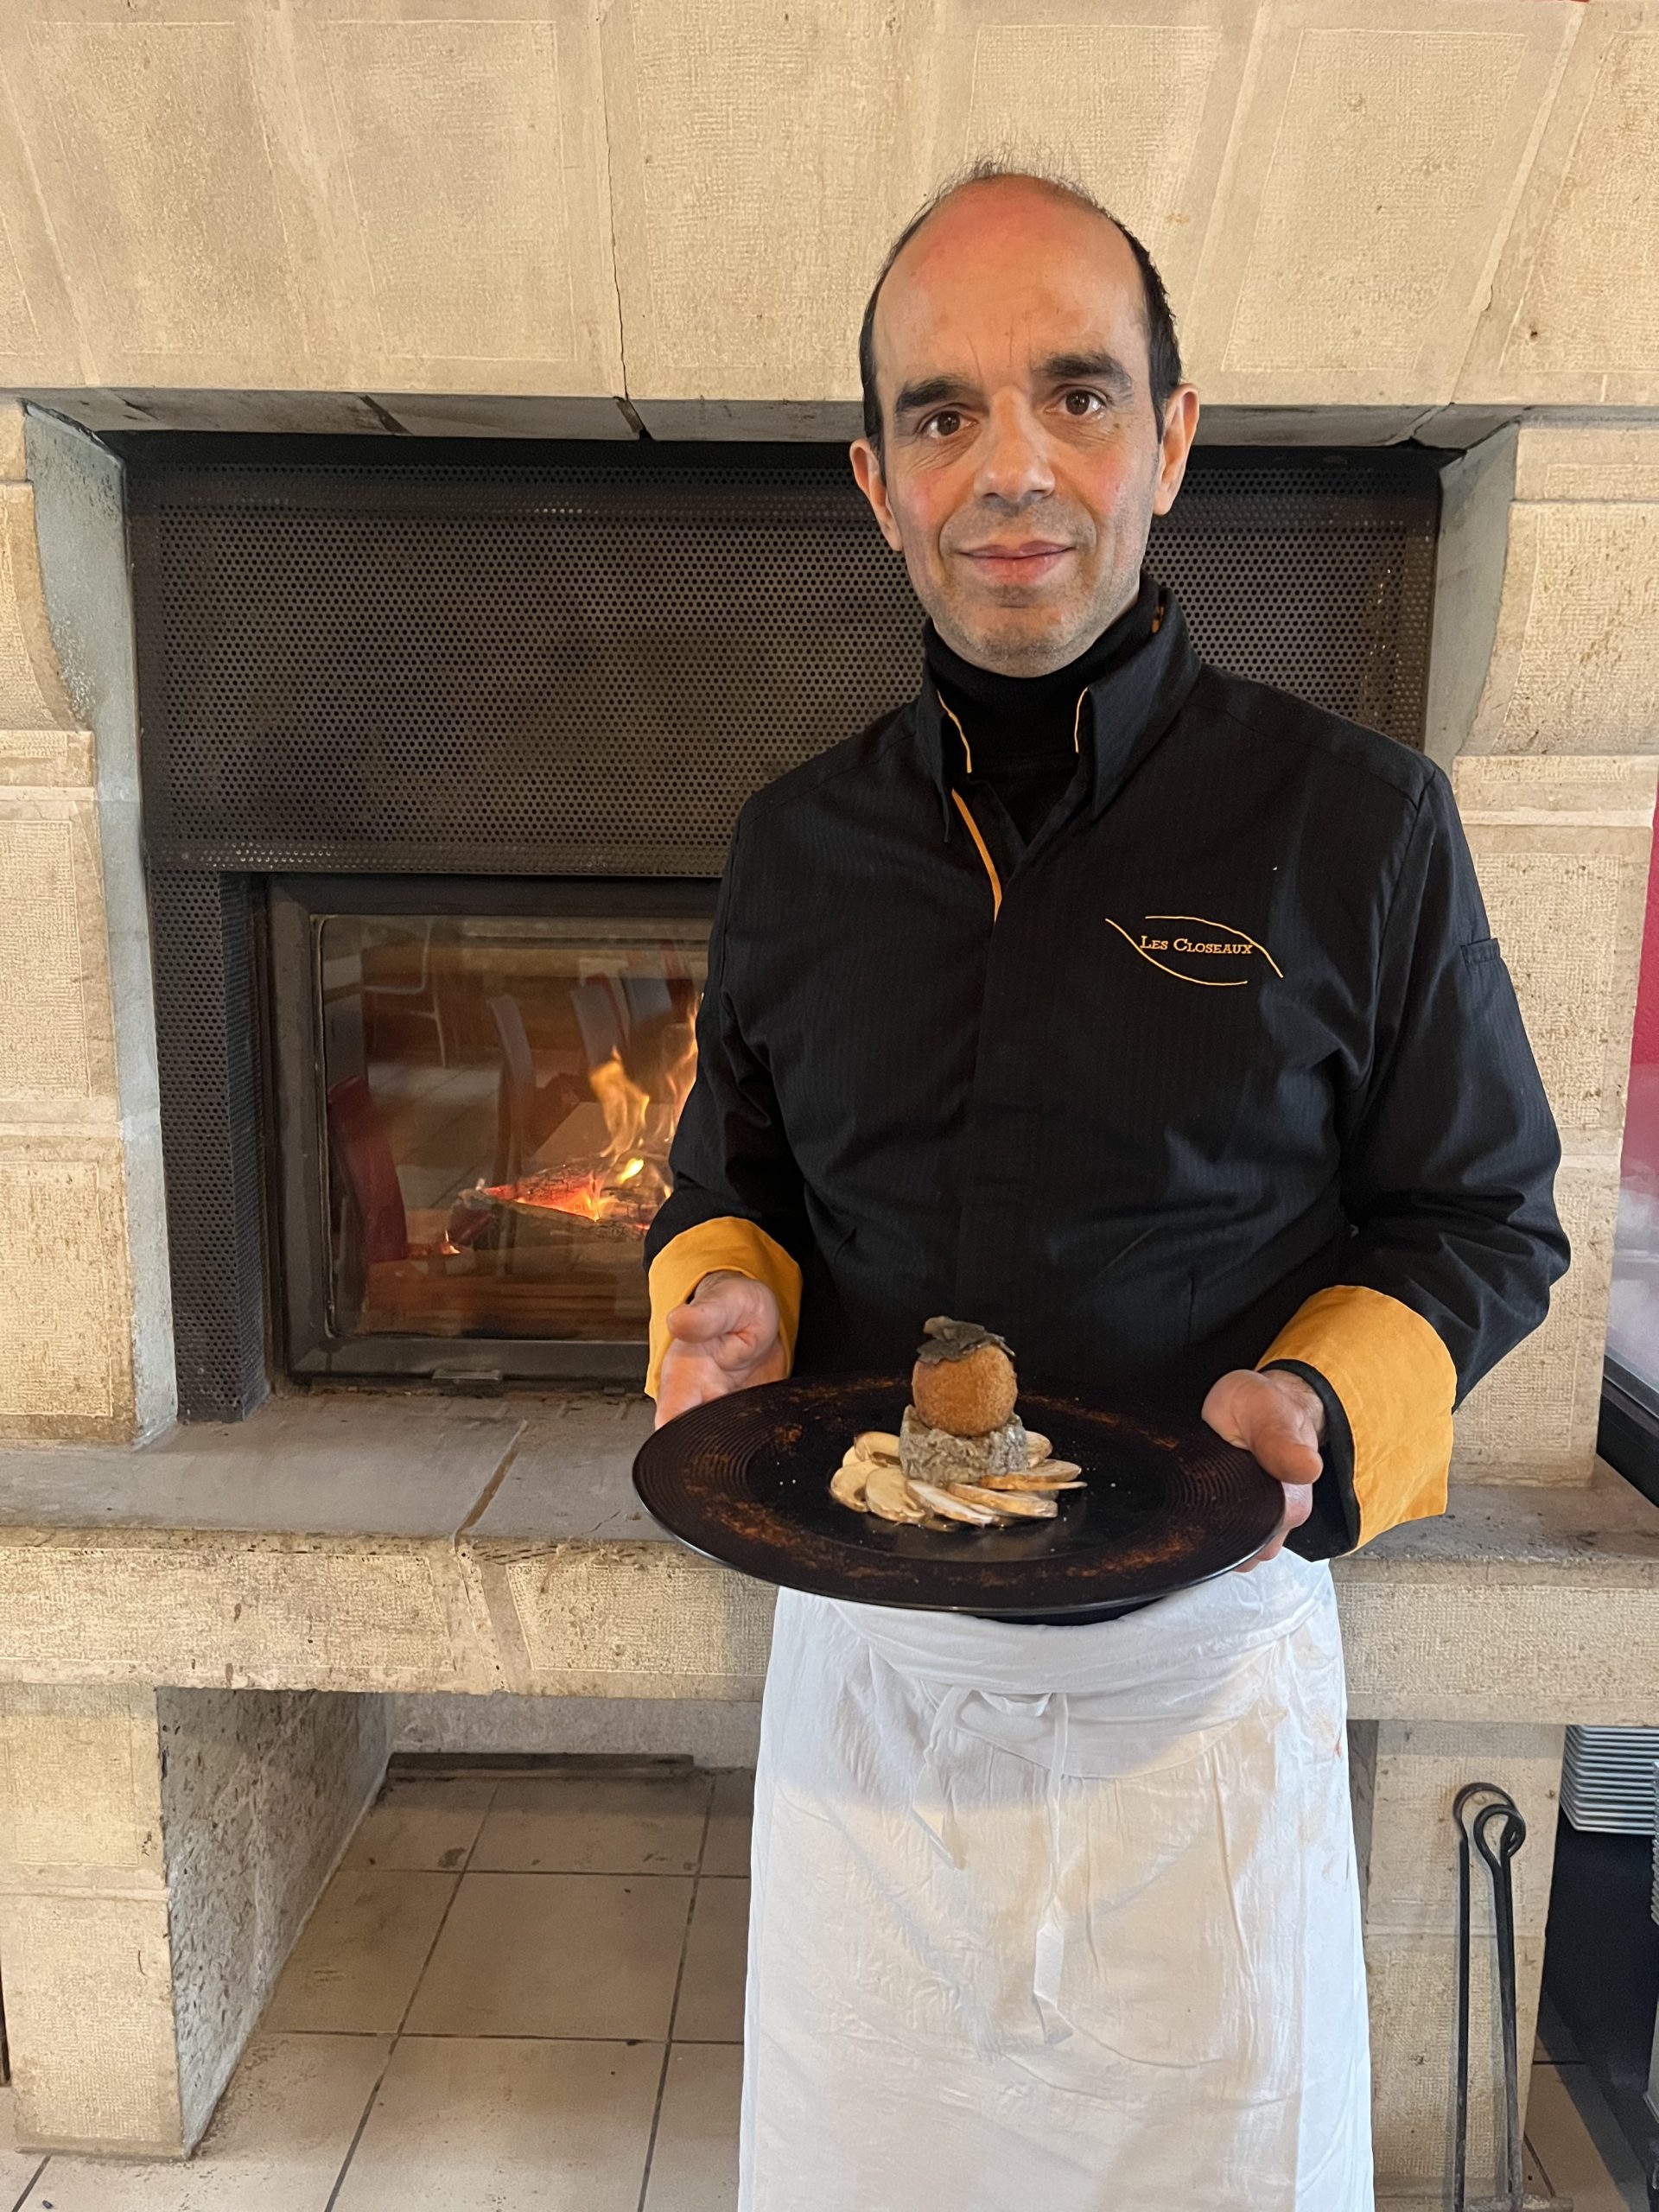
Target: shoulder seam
[(769, 795), (1364, 766)]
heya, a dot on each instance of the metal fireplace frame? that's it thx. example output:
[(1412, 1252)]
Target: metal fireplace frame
[(531, 665), (299, 1179)]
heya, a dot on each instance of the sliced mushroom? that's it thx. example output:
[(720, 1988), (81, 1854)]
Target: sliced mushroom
[(953, 1507), (887, 1494), (1054, 1477), (1017, 1505), (1036, 1447), (847, 1485), (877, 1444)]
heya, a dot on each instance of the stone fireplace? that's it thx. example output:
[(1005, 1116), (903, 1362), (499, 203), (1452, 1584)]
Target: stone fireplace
[(440, 752), (311, 974)]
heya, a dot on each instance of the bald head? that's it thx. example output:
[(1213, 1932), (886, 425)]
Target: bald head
[(995, 210)]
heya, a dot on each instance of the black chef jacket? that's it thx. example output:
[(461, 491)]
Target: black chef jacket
[(1222, 1068)]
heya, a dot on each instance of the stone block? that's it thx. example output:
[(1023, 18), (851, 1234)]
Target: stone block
[(742, 421), (624, 1620), (1411, 1984), (1497, 1646), (331, 196), (78, 1793), (32, 695), (761, 161), (172, 1606), (1575, 664), (66, 1336), (1410, 1777), (1574, 310), (80, 533), (186, 231), (1599, 453), (513, 210), (1368, 187), (34, 757), (261, 1792), (92, 2076), (1533, 1418), (1134, 101), (1477, 490), (57, 1041), (161, 1850), (1562, 845), (715, 1731)]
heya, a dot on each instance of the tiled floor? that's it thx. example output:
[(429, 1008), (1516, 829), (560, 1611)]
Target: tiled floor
[(517, 1995), (525, 1995), (1576, 2151)]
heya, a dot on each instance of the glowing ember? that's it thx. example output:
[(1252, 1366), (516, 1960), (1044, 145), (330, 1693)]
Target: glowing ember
[(625, 1184)]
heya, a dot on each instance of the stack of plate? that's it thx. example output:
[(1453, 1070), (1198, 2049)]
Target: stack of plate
[(1607, 1780)]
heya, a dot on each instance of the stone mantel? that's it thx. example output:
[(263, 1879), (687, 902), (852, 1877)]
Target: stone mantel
[(588, 217), (366, 1543)]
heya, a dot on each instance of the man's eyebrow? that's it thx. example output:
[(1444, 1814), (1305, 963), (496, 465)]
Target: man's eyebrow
[(932, 391), (1088, 368), (926, 392)]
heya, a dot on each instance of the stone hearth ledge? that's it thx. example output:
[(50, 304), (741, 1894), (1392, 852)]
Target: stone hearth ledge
[(370, 1542)]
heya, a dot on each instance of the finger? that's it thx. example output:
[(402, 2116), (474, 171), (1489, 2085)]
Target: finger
[(716, 1314), (1280, 1441), (1287, 1461), (1299, 1504), (688, 1379)]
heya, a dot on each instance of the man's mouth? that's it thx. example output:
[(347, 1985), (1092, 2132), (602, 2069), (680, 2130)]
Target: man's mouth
[(1023, 562)]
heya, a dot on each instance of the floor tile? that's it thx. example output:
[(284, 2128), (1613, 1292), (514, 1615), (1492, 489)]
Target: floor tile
[(601, 1825), (17, 2168), (354, 1968), (587, 1955), (423, 1821), (1595, 2167), (508, 2127), (694, 2165), (711, 1997), (726, 1851), (276, 2143)]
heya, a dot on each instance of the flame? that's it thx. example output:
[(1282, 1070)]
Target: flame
[(624, 1105), (628, 1181)]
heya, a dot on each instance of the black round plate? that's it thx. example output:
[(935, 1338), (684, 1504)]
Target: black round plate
[(745, 1480)]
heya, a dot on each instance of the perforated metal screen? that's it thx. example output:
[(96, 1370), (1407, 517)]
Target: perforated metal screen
[(582, 665), (578, 660)]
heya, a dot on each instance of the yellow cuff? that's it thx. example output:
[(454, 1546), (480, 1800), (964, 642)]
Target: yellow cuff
[(1396, 1382), (729, 1242)]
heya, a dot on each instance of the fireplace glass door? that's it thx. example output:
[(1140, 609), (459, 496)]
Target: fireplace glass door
[(492, 1099)]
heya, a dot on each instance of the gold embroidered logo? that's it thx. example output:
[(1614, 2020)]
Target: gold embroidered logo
[(1197, 951)]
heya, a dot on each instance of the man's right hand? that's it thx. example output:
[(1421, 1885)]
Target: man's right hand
[(726, 1336)]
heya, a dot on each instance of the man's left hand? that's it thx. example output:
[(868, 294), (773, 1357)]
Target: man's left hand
[(1279, 1420)]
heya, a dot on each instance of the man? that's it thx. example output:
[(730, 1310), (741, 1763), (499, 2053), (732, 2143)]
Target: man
[(1151, 1017)]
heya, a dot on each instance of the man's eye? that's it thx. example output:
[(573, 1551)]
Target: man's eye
[(948, 419), (1093, 398)]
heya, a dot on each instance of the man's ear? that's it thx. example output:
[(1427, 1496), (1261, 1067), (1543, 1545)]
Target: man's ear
[(1180, 428), (873, 483)]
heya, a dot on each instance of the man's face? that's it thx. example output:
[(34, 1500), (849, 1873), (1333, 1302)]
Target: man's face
[(1022, 464)]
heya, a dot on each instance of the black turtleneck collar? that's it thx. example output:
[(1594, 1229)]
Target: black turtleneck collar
[(1027, 740), (1006, 717)]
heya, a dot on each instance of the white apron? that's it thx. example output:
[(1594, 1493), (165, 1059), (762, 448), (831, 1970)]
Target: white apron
[(1057, 1919)]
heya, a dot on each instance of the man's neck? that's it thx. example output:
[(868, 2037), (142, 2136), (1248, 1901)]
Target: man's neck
[(1034, 710)]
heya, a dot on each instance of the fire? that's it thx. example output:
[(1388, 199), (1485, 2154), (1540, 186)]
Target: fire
[(624, 1105), (624, 1183)]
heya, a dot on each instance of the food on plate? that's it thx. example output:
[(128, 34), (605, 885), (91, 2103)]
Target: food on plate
[(963, 1379), (962, 1457)]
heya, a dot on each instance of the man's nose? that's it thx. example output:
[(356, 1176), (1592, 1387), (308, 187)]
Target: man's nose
[(1014, 460)]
